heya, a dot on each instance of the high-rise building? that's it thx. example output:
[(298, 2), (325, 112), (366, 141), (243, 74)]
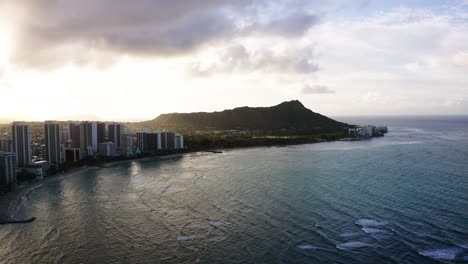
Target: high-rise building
[(101, 132), (65, 141), (74, 130), (6, 145), (53, 150), (64, 134), (89, 137), (126, 148), (73, 154), (21, 143), (107, 149), (179, 141), (7, 168), (148, 142), (167, 140), (116, 130)]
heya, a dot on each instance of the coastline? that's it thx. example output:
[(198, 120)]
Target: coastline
[(10, 202)]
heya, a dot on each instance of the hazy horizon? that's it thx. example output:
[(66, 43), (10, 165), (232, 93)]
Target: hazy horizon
[(336, 117), (132, 61)]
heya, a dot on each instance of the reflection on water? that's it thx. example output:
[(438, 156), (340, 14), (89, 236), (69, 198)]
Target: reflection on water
[(398, 199)]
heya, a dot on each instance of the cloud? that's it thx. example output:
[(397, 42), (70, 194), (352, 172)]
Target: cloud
[(57, 32), (291, 25), (461, 58), (316, 89), (454, 101), (237, 58), (51, 33)]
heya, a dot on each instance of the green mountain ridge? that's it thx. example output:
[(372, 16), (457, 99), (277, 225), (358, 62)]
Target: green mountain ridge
[(290, 116)]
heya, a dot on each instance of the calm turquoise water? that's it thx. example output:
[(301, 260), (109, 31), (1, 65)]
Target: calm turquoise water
[(398, 199)]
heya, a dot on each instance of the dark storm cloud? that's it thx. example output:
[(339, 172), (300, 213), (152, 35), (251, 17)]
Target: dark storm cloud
[(52, 32), (316, 89)]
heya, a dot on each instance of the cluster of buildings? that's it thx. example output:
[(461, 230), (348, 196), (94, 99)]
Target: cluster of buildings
[(75, 141), (149, 142), (367, 131)]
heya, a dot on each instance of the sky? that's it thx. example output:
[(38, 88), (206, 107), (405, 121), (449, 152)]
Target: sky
[(133, 60)]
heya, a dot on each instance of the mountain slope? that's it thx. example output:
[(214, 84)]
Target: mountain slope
[(291, 116)]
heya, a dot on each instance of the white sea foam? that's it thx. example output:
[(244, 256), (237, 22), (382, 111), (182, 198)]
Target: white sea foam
[(217, 239), (215, 223), (160, 210), (370, 230), (369, 222), (306, 247), (350, 234), (171, 189), (443, 253), (184, 238), (424, 233), (352, 244), (465, 246)]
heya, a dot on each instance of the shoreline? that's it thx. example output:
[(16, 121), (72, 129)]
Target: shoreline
[(10, 202)]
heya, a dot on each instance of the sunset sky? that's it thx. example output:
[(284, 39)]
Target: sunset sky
[(133, 60)]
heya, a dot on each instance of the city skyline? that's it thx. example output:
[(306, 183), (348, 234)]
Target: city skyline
[(91, 60)]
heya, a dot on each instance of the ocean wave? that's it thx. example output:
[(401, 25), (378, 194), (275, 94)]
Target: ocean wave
[(215, 223), (171, 189), (184, 238), (352, 244), (306, 247), (350, 234), (370, 230), (369, 222), (423, 233), (217, 239), (465, 246), (160, 210), (443, 253)]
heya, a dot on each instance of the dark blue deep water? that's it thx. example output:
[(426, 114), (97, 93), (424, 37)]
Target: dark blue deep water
[(398, 199)]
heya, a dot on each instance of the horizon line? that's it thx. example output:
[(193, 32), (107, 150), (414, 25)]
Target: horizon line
[(10, 121)]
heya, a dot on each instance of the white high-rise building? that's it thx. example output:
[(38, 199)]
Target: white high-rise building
[(21, 136)]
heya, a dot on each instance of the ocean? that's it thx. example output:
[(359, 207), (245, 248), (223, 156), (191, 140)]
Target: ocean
[(402, 198)]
